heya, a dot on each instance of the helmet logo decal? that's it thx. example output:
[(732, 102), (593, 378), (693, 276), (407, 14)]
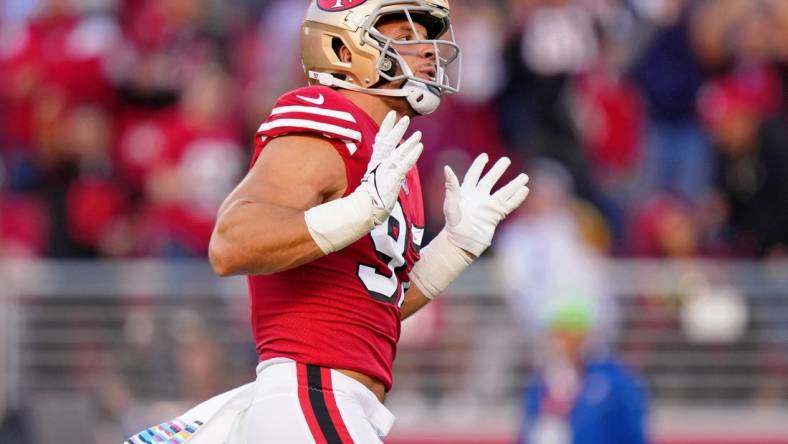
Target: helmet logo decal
[(338, 5)]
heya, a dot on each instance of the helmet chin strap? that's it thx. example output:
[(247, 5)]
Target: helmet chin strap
[(423, 99)]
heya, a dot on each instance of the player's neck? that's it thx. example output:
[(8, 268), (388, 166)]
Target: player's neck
[(376, 106)]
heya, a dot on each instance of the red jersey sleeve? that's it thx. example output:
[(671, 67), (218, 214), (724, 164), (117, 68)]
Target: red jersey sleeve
[(324, 112)]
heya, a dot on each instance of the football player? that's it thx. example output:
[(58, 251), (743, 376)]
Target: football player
[(328, 222)]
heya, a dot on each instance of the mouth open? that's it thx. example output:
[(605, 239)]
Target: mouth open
[(428, 73)]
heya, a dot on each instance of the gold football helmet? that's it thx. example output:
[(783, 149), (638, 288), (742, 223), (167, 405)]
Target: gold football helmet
[(330, 24)]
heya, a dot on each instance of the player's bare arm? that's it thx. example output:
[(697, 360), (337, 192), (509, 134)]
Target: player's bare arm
[(286, 212), (415, 300), (260, 227)]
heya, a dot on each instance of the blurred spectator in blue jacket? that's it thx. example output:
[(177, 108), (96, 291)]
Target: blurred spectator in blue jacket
[(581, 395)]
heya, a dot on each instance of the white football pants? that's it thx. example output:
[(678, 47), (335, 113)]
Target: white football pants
[(305, 404)]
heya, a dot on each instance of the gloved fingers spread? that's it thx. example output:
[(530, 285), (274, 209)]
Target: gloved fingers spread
[(489, 180), (452, 183), (401, 156), (516, 200), (410, 154), (508, 190), (451, 204), (393, 137), (387, 125), (475, 171)]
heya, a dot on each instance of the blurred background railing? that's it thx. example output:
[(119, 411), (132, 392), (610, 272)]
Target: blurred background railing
[(125, 344)]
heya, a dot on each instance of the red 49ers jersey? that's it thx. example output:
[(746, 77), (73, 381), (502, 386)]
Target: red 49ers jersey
[(342, 310)]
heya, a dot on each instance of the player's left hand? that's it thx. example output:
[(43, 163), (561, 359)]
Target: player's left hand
[(472, 210), (391, 161)]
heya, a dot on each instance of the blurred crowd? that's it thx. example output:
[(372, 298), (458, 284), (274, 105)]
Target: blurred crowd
[(124, 123)]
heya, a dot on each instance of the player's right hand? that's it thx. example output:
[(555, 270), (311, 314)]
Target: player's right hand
[(472, 210), (390, 162)]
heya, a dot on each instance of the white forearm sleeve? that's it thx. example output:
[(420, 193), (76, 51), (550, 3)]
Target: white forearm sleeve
[(440, 264), (335, 225)]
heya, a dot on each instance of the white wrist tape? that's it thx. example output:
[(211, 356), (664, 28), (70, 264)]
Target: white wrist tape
[(440, 264), (335, 225)]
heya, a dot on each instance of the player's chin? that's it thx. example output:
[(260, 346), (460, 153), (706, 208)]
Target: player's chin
[(401, 106), (410, 112)]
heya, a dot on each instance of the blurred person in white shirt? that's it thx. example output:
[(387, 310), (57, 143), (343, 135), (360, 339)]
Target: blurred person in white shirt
[(546, 252)]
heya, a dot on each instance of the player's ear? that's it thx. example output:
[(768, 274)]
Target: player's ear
[(344, 54)]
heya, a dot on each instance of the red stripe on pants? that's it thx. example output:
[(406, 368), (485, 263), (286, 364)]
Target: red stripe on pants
[(306, 405), (333, 410)]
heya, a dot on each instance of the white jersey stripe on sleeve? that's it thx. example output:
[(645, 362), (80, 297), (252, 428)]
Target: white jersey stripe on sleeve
[(309, 124), (341, 115), (352, 147)]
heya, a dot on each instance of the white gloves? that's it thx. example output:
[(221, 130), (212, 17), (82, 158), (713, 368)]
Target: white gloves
[(389, 164), (472, 213), (337, 224)]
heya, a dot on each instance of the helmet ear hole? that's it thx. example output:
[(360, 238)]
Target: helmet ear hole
[(337, 44)]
